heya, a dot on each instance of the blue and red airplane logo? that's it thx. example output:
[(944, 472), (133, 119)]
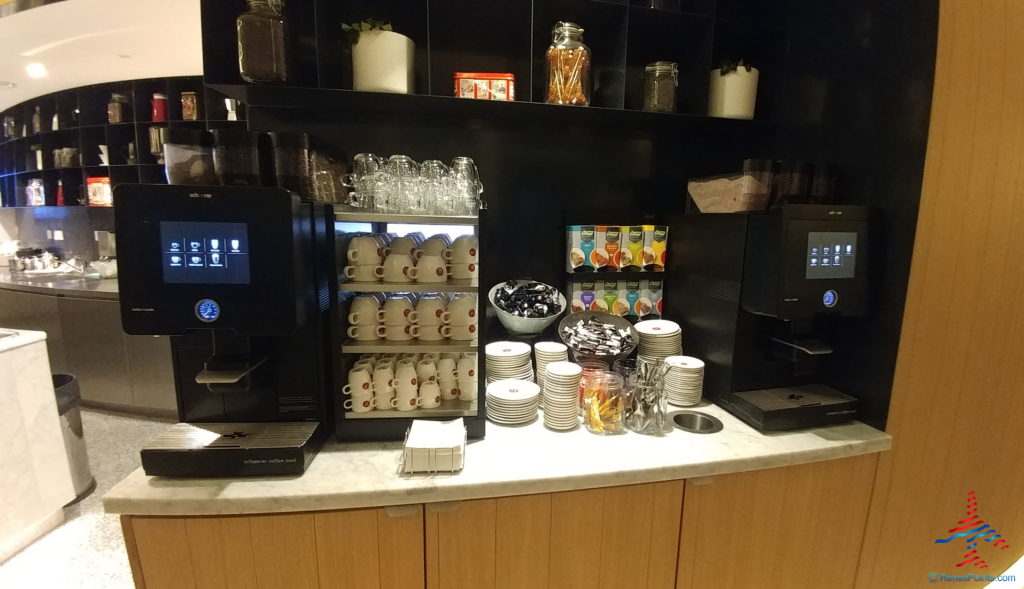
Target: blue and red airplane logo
[(973, 530)]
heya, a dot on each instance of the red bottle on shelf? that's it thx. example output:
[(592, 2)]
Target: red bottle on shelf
[(159, 103)]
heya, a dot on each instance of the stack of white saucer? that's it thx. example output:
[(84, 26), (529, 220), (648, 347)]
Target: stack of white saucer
[(684, 381), (508, 360), (512, 402), (659, 339), (562, 395), (545, 353)]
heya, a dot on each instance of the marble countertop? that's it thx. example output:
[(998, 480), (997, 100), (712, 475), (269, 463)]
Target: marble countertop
[(508, 461), (87, 288)]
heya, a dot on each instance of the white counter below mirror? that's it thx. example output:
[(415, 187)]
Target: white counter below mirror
[(508, 461)]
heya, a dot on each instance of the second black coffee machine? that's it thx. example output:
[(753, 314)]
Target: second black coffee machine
[(761, 293)]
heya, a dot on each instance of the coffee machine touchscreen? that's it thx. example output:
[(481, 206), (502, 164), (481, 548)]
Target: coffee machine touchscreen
[(198, 252), (831, 254)]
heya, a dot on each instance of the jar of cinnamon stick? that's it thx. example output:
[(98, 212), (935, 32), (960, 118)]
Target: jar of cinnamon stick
[(568, 66)]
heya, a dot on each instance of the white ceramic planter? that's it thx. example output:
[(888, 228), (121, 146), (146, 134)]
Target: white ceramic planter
[(382, 61), (733, 95)]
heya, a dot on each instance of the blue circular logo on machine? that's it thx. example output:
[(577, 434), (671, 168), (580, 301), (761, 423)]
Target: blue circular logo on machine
[(830, 298), (207, 310)]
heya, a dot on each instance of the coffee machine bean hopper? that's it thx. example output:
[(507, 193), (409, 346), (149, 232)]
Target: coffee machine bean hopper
[(244, 281)]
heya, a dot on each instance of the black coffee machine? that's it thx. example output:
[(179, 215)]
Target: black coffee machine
[(244, 280), (760, 294)]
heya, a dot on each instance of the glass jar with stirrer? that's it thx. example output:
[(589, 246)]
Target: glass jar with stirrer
[(568, 66)]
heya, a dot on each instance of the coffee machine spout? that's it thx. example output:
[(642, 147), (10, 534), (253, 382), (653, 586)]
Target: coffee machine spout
[(809, 346), (226, 376)]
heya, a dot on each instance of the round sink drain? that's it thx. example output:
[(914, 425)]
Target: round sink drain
[(696, 422)]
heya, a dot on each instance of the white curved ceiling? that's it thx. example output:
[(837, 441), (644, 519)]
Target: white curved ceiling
[(82, 42)]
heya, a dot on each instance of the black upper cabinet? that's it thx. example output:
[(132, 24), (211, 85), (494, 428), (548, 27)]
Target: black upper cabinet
[(512, 36)]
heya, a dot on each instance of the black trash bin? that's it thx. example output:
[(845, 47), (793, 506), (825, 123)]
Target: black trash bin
[(69, 398)]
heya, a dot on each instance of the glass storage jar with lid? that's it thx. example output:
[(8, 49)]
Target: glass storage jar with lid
[(262, 42), (568, 66), (661, 78), (118, 109)]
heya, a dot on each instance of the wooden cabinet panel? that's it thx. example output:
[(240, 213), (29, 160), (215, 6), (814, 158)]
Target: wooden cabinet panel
[(601, 538), (792, 527), (284, 547), (523, 541), (400, 547), (163, 552), (370, 548), (221, 552), (460, 545)]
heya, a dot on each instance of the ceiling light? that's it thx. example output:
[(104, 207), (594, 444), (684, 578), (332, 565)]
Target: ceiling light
[(124, 56), (35, 70), (5, 85)]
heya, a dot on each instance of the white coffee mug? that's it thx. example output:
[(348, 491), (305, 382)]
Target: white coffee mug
[(364, 250), (396, 311), (429, 269), (465, 370), (359, 381), (430, 311), (426, 371), (434, 245), (365, 304), (463, 271), (383, 379), (405, 376), (459, 332), (363, 333), (398, 333), (402, 245), (361, 273), (430, 395), (363, 365), (430, 333), (445, 369), (395, 268), (449, 389), (452, 356), (467, 391), (407, 399), (462, 310), (432, 356), (463, 250), (360, 404), (384, 401)]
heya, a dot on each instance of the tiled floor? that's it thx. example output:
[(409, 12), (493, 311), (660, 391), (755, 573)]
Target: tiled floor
[(87, 551)]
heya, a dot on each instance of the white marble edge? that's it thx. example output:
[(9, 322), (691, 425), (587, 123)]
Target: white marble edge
[(345, 476)]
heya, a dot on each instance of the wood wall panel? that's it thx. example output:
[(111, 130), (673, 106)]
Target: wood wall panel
[(788, 528), (958, 395), (400, 547)]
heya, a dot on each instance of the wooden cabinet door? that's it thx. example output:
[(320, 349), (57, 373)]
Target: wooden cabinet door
[(357, 548), (601, 538), (792, 527), (370, 548)]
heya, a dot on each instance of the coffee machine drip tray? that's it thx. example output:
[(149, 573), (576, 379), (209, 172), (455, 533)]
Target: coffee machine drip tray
[(796, 407), (232, 449)]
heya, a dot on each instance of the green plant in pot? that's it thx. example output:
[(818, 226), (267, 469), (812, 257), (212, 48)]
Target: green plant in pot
[(732, 90), (382, 60)]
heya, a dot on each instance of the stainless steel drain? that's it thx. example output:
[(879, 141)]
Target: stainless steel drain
[(696, 422)]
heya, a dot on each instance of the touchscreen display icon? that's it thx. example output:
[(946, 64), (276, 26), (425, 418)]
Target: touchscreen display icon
[(175, 246), (195, 246), (214, 245), (235, 245)]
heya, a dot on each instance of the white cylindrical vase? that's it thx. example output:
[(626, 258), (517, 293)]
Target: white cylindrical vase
[(382, 61), (733, 95)]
